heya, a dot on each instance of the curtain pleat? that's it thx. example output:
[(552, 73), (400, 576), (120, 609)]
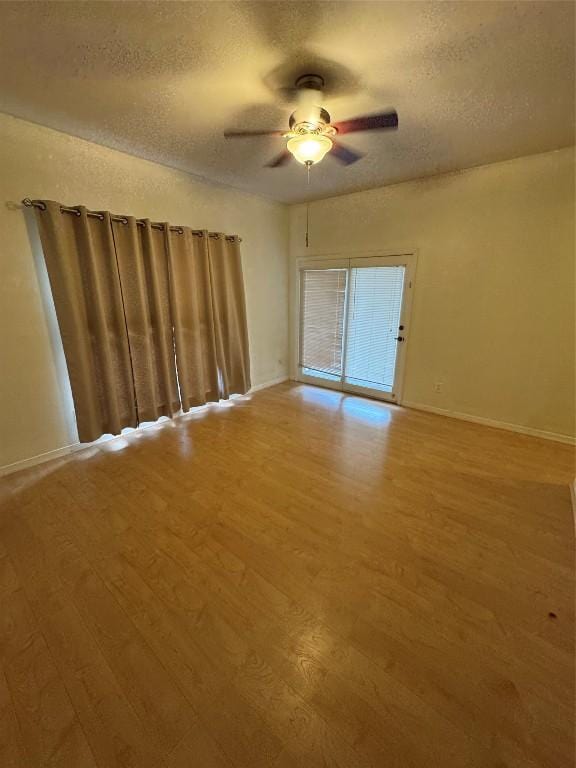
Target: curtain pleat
[(229, 312), (193, 317), (144, 277), (152, 319), (81, 263)]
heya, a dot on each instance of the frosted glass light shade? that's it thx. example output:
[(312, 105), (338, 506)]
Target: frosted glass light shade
[(309, 147)]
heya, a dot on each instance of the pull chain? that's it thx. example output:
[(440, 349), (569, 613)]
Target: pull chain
[(307, 204)]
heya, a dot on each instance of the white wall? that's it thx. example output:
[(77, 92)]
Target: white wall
[(493, 313), (38, 162)]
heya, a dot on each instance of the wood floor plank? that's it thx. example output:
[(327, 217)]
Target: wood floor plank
[(12, 749), (155, 697), (301, 578), (197, 748), (112, 728), (50, 731)]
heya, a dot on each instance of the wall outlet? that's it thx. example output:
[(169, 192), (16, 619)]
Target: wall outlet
[(439, 386)]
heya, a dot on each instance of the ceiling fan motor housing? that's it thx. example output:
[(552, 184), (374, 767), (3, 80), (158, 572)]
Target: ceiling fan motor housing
[(310, 117), (300, 124)]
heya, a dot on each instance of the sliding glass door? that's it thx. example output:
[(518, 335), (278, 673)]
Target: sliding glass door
[(353, 324)]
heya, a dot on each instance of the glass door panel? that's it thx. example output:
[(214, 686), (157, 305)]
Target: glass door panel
[(373, 322), (322, 311)]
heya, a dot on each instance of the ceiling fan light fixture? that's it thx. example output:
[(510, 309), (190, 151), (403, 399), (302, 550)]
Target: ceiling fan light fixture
[(309, 148)]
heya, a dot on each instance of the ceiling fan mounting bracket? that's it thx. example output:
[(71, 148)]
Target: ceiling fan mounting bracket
[(313, 82)]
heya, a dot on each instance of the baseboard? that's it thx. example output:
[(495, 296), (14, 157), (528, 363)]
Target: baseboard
[(271, 383), (559, 438), (57, 453)]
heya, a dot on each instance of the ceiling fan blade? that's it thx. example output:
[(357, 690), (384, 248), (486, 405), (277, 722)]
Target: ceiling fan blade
[(279, 160), (369, 122), (244, 134), (346, 155)]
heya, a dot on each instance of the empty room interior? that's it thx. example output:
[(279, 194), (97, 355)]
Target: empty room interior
[(287, 359)]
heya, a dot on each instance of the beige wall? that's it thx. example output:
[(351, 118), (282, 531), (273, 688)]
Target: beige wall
[(36, 415), (493, 312)]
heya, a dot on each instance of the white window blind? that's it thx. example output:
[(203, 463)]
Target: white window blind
[(323, 298), (373, 320)]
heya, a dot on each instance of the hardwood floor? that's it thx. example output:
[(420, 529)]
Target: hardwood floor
[(300, 578)]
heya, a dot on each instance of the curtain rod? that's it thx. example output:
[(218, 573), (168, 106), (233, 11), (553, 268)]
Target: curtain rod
[(155, 225)]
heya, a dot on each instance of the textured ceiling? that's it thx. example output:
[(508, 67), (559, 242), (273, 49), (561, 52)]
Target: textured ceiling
[(473, 82)]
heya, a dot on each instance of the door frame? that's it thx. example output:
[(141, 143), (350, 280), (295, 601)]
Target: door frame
[(409, 259)]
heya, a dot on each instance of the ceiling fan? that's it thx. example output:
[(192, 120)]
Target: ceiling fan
[(311, 134)]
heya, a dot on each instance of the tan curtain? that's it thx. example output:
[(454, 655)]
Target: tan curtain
[(193, 316), (152, 317), (143, 267), (229, 308), (81, 262)]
